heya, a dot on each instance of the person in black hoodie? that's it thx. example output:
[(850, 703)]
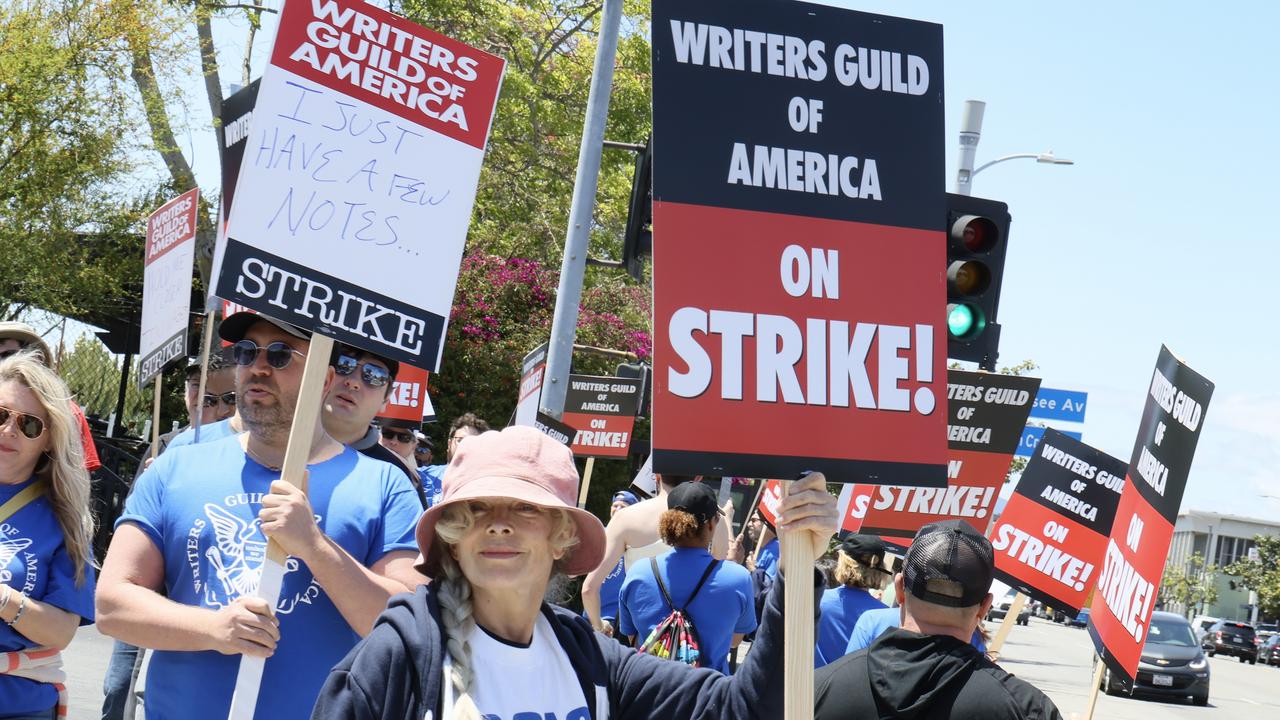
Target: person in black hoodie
[(479, 641), (926, 669)]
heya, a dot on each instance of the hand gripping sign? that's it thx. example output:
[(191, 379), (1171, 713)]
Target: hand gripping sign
[(798, 247), (1133, 560), (166, 284), (359, 176), (1050, 539)]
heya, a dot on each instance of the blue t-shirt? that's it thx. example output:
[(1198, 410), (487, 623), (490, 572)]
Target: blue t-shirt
[(610, 589), (725, 605), (208, 433), (767, 560), (432, 477), (200, 505), (874, 622), (35, 563), (841, 608)]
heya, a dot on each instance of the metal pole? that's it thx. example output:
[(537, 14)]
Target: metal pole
[(970, 133), (564, 326)]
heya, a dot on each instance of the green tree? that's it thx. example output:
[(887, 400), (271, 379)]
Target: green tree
[(1262, 575), (1192, 585)]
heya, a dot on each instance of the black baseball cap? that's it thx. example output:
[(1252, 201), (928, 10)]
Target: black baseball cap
[(233, 329), (695, 498), (949, 563), (866, 549)]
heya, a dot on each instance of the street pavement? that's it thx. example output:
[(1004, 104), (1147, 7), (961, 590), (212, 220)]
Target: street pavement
[(1055, 658), (1059, 660)]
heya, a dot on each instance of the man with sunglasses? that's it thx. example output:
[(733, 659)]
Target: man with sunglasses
[(216, 405), (359, 393), (196, 529)]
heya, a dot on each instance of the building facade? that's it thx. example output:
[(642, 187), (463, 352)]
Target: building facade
[(1221, 540)]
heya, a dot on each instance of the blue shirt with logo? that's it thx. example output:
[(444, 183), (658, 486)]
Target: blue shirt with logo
[(210, 432), (200, 505), (432, 477), (724, 606), (611, 588), (841, 607), (34, 562), (767, 560)]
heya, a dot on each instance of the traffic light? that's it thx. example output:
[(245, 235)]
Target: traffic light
[(637, 242), (977, 239), (642, 372)]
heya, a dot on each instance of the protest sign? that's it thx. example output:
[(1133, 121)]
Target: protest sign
[(166, 284), (553, 428), (798, 248), (236, 116), (604, 411), (408, 397), (1172, 418), (357, 185), (532, 370), (1050, 539), (768, 502), (985, 416), (1031, 435)]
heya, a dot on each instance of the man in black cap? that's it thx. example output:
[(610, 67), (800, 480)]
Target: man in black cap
[(926, 668)]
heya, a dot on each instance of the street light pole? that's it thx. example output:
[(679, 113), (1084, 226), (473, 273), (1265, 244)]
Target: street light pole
[(970, 133)]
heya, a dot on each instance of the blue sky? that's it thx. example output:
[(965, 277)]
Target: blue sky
[(1160, 233)]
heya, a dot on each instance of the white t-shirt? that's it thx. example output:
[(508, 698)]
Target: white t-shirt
[(521, 683)]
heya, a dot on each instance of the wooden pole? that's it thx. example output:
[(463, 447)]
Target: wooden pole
[(205, 342), (798, 556), (586, 482), (1093, 691), (310, 396), (1010, 618), (155, 416)]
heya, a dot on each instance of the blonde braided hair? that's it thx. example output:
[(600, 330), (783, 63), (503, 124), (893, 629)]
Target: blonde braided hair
[(453, 590)]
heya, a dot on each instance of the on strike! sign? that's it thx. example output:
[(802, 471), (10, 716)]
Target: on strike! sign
[(1050, 539), (166, 284), (603, 409), (798, 248), (985, 415), (408, 397), (1172, 418), (359, 177), (532, 371)]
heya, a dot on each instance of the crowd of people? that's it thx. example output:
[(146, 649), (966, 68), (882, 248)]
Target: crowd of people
[(414, 589)]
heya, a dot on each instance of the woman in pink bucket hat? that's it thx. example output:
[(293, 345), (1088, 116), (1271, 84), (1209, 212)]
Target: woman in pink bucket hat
[(480, 641)]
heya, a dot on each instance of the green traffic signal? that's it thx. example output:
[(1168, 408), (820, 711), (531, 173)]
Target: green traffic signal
[(964, 321)]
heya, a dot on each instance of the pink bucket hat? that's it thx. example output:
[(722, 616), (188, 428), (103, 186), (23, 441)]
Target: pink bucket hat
[(518, 463)]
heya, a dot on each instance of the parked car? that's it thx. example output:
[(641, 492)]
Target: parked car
[(1081, 619), (1000, 608), (1266, 630), (1269, 653), (1171, 665), (1232, 638), (1200, 624)]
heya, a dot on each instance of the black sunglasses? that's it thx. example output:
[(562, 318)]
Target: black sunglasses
[(279, 355), (371, 374), (226, 398), (422, 450), (404, 437), (29, 425)]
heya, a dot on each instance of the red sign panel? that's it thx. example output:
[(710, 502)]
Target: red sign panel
[(408, 398), (173, 224), (1133, 561)]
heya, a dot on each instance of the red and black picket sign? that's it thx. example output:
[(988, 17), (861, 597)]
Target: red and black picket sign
[(985, 416), (1050, 539), (798, 247), (1133, 561), (603, 409)]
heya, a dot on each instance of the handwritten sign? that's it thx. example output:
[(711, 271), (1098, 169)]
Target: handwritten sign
[(166, 284), (359, 178)]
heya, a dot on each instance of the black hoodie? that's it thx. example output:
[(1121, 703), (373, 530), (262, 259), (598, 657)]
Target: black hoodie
[(924, 677), (397, 671)]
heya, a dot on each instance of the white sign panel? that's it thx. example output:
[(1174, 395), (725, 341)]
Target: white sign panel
[(166, 284)]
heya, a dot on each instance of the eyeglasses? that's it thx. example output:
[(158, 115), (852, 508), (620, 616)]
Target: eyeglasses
[(398, 436), (422, 450), (372, 375), (29, 425), (226, 398), (279, 355)]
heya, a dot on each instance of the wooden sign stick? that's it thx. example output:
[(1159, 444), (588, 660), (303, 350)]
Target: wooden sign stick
[(586, 482), (1093, 691), (155, 416), (1010, 618), (798, 556), (310, 397), (205, 341)]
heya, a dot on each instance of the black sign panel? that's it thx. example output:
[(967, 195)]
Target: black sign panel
[(1171, 421), (1074, 479), (237, 116), (986, 412), (553, 428)]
